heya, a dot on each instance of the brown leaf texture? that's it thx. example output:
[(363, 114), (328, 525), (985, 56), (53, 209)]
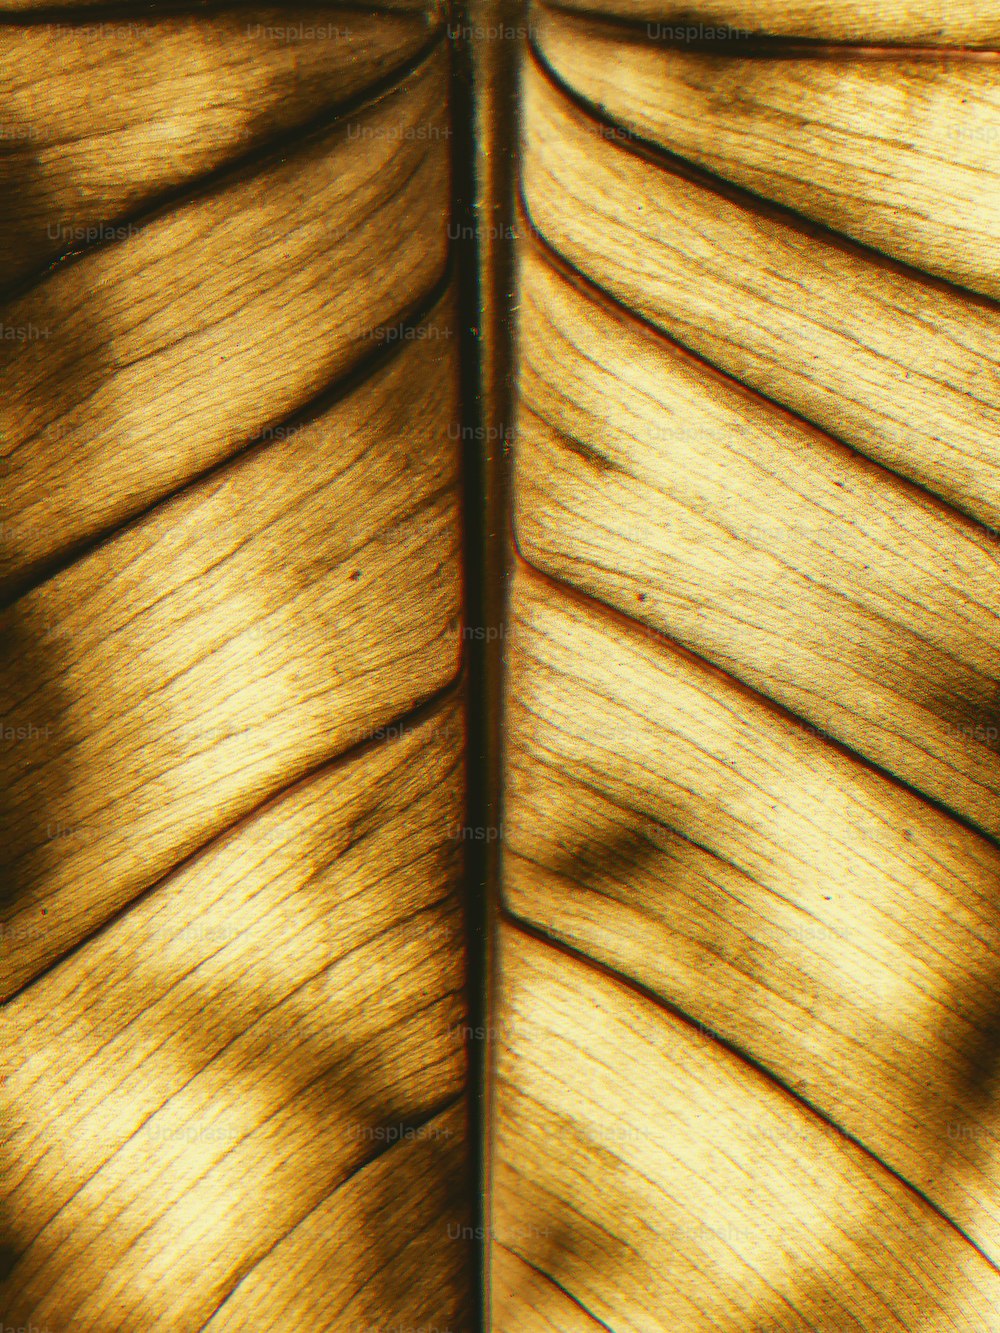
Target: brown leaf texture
[(747, 1012), (233, 937), (500, 737)]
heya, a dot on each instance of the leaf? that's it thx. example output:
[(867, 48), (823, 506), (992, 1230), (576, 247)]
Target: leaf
[(664, 999), (232, 932), (746, 1008), (932, 23)]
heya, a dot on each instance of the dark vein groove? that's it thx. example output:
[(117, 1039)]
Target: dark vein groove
[(197, 1070), (592, 604), (759, 45), (311, 409), (609, 304), (598, 1323), (648, 150), (244, 166), (486, 112), (411, 718), (415, 1123), (623, 981)]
